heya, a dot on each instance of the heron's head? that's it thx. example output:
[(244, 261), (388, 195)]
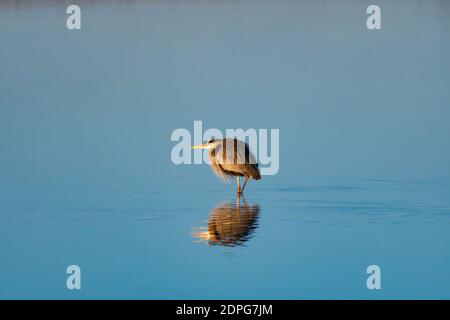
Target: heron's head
[(209, 145)]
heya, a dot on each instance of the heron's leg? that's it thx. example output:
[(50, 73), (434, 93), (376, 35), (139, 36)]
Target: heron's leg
[(238, 200), (243, 198), (245, 182), (238, 184)]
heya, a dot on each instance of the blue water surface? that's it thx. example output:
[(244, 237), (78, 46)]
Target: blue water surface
[(86, 176)]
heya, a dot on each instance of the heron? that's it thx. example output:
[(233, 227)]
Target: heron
[(231, 157)]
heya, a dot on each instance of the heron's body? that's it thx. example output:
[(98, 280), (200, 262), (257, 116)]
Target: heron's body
[(231, 157)]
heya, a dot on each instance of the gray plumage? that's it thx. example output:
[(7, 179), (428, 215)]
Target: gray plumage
[(231, 157)]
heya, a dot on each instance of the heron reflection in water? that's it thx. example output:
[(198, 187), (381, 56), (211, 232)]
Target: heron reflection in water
[(230, 224)]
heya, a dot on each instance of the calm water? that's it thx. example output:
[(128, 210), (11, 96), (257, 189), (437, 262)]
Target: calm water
[(85, 170)]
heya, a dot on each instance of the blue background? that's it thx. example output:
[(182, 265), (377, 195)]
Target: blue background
[(86, 176)]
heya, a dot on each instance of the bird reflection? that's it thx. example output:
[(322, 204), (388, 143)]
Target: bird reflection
[(230, 224)]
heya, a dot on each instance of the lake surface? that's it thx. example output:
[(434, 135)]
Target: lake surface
[(86, 176)]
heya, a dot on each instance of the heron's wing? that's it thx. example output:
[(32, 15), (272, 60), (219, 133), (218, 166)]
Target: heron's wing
[(233, 151), (243, 153), (234, 157)]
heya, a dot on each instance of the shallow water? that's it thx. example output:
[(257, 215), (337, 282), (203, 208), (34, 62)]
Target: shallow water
[(86, 176), (137, 239)]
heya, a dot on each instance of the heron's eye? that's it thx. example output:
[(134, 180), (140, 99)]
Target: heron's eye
[(211, 141)]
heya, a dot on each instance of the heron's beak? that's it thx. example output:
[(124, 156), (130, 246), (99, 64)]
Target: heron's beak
[(200, 146)]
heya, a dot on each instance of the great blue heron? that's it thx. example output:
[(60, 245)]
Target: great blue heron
[(231, 157)]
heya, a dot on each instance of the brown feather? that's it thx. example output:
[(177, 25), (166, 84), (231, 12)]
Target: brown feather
[(232, 157)]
